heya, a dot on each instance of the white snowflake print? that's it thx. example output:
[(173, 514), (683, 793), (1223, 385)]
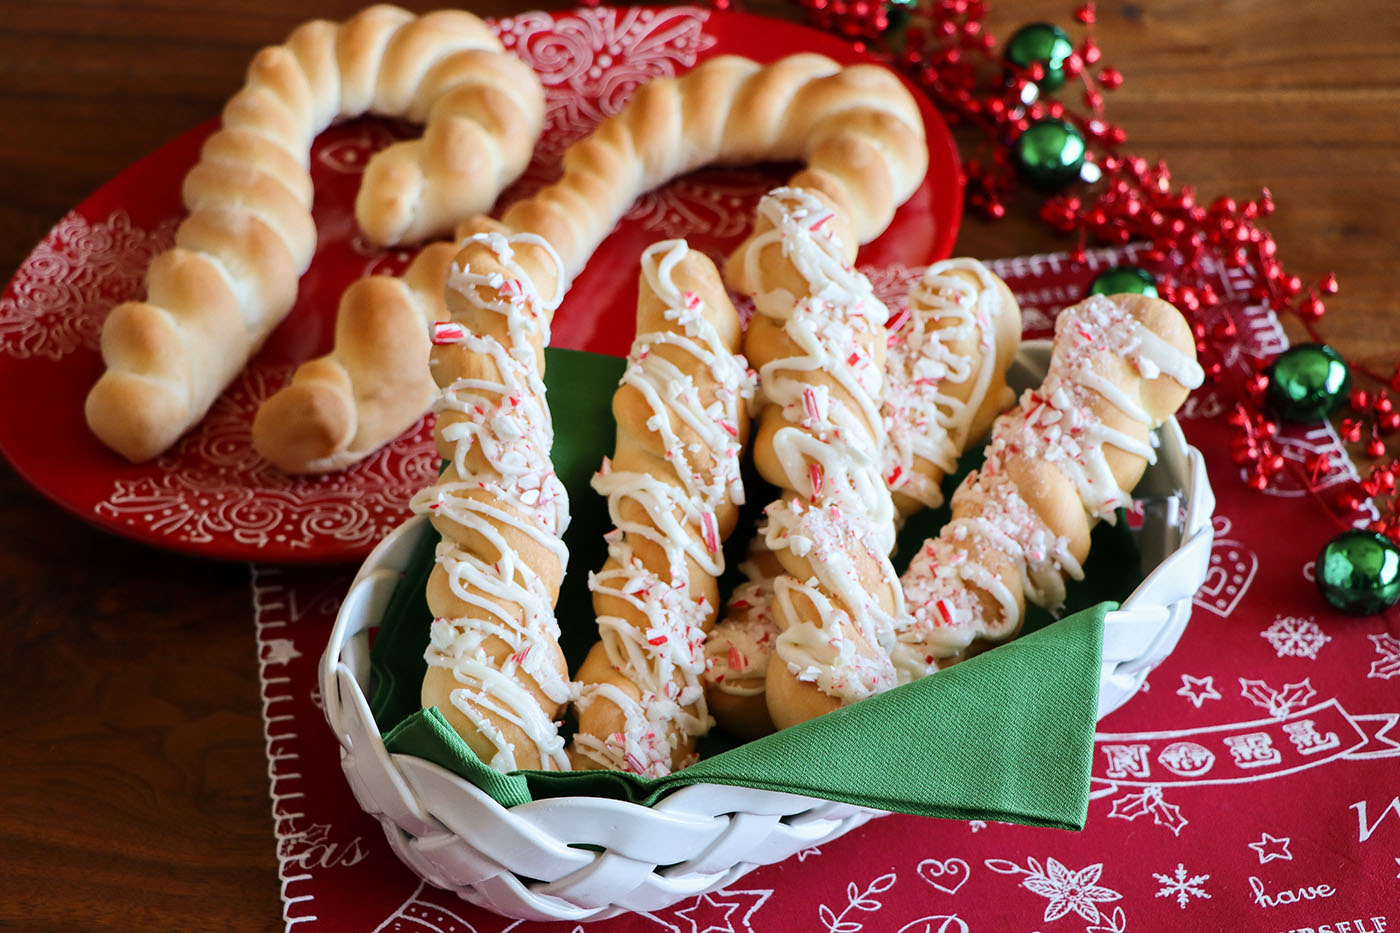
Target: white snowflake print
[(1181, 887), (1066, 890), (1198, 689), (1388, 647), (1294, 637)]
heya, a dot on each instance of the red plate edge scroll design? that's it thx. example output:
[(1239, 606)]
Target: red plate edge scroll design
[(211, 495)]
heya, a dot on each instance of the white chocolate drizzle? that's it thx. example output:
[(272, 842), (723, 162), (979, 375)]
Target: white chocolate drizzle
[(507, 420), (828, 451), (664, 657), (922, 419), (1054, 424)]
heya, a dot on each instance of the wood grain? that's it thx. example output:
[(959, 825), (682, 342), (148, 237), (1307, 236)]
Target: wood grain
[(131, 755)]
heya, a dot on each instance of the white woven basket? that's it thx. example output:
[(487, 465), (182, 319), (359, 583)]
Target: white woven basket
[(530, 861)]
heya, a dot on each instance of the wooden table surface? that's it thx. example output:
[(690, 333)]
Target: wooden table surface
[(132, 769)]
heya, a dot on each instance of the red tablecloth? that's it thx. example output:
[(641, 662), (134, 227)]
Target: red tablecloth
[(1253, 784)]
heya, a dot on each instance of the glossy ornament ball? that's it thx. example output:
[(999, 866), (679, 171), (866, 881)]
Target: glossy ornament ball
[(1049, 155), (1308, 382), (1124, 280), (1359, 572), (1045, 43)]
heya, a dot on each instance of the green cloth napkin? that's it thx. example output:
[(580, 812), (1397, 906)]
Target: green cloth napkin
[(1007, 735)]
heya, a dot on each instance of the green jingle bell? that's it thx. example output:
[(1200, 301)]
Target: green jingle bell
[(1043, 43), (1050, 154), (1124, 280), (1358, 572), (1307, 383)]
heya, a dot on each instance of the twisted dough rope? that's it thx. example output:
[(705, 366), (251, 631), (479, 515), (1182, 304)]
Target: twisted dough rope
[(232, 277), (495, 670), (1062, 460), (945, 380), (673, 492), (818, 342), (859, 129)]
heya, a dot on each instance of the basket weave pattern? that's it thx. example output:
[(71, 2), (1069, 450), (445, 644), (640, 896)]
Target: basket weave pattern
[(584, 858)]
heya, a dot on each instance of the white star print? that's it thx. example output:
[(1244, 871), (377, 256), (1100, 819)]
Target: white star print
[(1270, 848), (1198, 689)]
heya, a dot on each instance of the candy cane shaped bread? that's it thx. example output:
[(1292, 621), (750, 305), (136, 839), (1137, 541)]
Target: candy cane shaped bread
[(818, 341), (857, 128), (673, 492), (1065, 458), (495, 670), (945, 380), (232, 276)]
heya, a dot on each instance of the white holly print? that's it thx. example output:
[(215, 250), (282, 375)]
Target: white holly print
[(1388, 647), (1278, 702), (1182, 887), (1198, 689), (1149, 802), (855, 900), (1066, 890), (1294, 637)]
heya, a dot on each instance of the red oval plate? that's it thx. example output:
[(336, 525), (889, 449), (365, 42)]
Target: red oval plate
[(211, 494)]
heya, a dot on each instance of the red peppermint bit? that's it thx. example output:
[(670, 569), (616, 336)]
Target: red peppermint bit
[(740, 604), (894, 476), (821, 221), (447, 332), (657, 640), (853, 359), (814, 475), (737, 661), (730, 429), (894, 324), (809, 401), (709, 532)]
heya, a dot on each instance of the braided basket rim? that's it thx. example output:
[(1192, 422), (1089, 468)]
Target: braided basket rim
[(581, 858)]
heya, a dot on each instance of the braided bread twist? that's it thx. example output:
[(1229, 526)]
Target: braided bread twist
[(818, 343), (232, 276), (945, 380), (495, 669), (673, 491), (1062, 460)]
